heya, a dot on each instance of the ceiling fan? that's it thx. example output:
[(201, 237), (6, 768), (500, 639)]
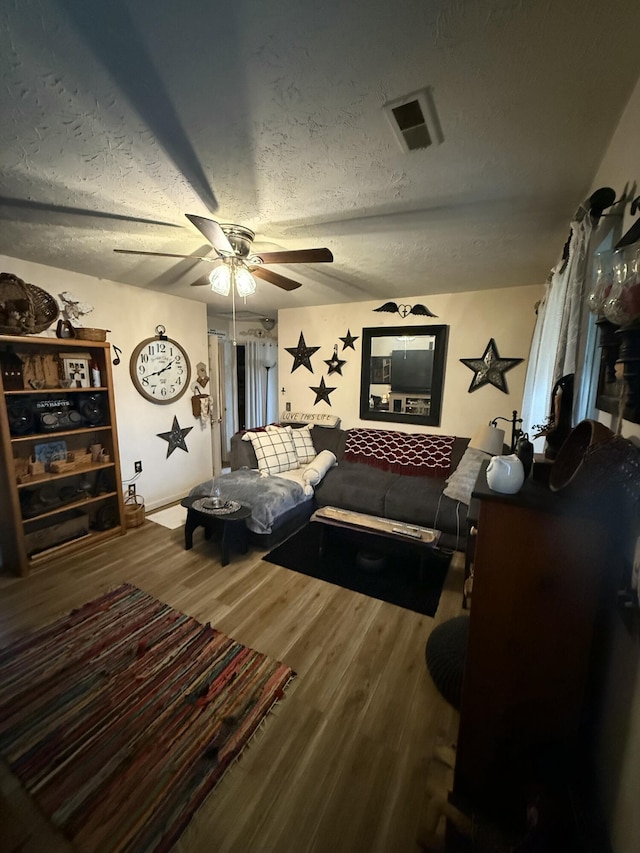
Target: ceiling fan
[(232, 246)]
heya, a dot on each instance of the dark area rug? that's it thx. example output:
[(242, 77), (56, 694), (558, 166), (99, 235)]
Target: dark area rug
[(379, 568)]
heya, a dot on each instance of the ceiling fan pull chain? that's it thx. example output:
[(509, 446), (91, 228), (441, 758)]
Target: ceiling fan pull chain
[(232, 271)]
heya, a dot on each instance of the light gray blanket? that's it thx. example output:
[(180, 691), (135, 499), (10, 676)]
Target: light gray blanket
[(268, 497)]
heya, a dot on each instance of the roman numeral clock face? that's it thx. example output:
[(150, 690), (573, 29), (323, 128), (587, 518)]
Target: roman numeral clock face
[(160, 369)]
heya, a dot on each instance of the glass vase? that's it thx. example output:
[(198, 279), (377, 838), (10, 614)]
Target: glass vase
[(630, 290), (603, 282), (622, 306)]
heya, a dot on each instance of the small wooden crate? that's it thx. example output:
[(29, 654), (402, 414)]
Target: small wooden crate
[(76, 524)]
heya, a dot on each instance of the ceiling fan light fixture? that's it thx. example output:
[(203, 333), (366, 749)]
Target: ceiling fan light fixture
[(245, 282), (220, 279)]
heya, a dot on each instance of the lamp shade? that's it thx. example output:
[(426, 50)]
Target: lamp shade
[(220, 279), (245, 282), (488, 438)]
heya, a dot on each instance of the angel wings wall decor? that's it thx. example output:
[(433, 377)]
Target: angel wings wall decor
[(405, 310)]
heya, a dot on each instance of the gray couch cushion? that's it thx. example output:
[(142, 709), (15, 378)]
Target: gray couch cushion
[(242, 453), (333, 439), (419, 500), (352, 485)]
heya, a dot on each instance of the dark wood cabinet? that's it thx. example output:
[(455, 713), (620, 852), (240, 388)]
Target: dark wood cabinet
[(538, 582)]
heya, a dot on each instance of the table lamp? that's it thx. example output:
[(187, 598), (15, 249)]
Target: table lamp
[(489, 439)]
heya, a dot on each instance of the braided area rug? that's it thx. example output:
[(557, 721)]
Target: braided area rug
[(121, 717)]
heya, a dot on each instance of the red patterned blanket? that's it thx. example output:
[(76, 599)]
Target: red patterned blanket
[(403, 453)]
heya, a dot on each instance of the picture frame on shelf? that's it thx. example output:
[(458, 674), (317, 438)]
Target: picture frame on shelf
[(51, 451), (75, 366)]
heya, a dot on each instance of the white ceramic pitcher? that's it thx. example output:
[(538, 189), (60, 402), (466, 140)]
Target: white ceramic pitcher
[(505, 474)]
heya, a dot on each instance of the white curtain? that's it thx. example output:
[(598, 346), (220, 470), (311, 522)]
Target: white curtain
[(260, 400), (558, 332)]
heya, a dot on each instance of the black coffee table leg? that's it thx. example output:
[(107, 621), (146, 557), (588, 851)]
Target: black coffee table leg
[(233, 532), (190, 525)]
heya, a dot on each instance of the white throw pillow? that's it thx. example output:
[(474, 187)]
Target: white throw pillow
[(315, 471), (274, 450), (460, 484), (303, 444)]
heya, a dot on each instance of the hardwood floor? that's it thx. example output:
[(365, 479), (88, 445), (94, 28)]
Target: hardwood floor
[(343, 763)]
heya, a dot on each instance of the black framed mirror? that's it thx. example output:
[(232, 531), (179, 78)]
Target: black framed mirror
[(402, 376)]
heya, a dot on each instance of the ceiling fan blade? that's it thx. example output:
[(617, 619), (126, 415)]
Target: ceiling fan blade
[(201, 283), (212, 231), (168, 255), (275, 278), (296, 256)]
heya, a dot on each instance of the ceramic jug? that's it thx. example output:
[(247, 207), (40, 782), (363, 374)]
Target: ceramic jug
[(505, 474)]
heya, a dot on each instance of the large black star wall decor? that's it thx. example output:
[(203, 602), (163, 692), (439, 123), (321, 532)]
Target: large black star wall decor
[(302, 354), (349, 340), (489, 369), (322, 392), (334, 363), (175, 437)]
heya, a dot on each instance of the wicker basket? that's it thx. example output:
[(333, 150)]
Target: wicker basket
[(24, 308), (86, 334), (133, 511), (45, 306), (569, 469)]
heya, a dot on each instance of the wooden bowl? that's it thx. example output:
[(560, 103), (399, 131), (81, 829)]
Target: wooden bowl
[(568, 469)]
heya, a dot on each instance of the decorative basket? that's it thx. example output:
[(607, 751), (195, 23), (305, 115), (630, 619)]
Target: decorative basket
[(24, 308), (45, 306), (569, 469), (133, 511), (86, 334)]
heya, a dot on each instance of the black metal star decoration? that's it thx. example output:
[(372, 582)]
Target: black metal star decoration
[(490, 368), (349, 340), (334, 363), (322, 392), (302, 354), (175, 437)]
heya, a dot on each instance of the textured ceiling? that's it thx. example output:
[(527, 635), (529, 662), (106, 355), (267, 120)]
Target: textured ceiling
[(119, 117)]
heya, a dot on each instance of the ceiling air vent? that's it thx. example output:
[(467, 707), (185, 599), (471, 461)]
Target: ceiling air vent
[(414, 120)]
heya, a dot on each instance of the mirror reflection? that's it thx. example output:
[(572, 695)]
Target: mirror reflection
[(402, 373)]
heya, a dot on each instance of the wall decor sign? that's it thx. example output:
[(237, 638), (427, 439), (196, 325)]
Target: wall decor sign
[(405, 310), (489, 369), (322, 392), (302, 354), (175, 437), (349, 340)]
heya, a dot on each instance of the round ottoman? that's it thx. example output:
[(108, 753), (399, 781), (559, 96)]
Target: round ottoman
[(446, 653)]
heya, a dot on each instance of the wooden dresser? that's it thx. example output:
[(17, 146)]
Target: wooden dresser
[(539, 565)]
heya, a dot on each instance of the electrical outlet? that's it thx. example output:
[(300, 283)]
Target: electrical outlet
[(288, 407), (131, 490), (137, 467)]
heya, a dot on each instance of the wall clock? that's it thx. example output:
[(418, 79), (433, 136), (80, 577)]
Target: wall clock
[(160, 368)]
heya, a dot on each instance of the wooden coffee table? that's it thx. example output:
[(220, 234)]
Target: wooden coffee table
[(424, 538), (231, 525)]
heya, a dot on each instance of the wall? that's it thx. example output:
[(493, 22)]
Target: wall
[(505, 314), (131, 314), (619, 746)]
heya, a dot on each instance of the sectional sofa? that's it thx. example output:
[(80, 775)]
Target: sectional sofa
[(360, 481)]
